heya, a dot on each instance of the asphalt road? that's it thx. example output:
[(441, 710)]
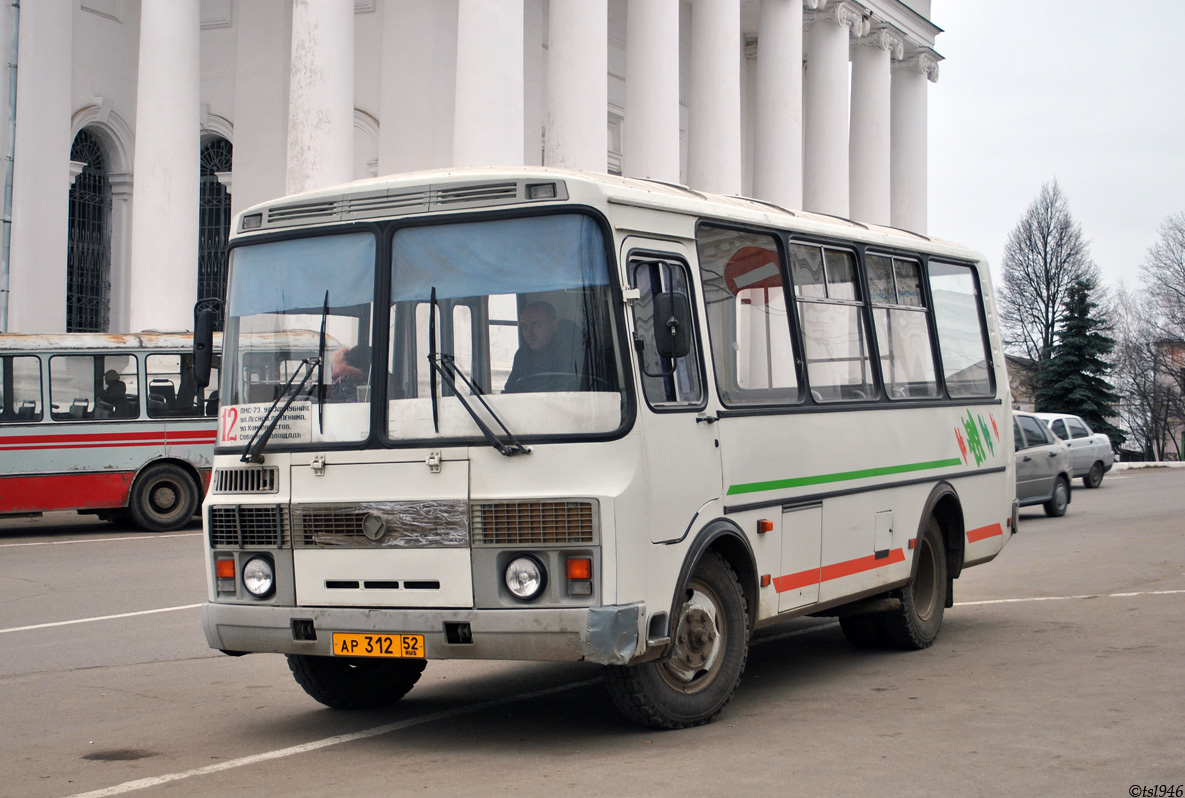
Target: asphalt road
[(1058, 672)]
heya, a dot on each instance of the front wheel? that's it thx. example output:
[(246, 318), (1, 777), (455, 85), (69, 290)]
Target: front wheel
[(1094, 477), (1057, 504), (355, 683), (691, 685), (163, 498)]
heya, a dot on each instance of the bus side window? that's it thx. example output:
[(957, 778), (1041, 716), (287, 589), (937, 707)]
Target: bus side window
[(962, 343), (902, 327), (20, 389), (679, 381)]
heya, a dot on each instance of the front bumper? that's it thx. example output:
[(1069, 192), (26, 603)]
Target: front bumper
[(605, 635)]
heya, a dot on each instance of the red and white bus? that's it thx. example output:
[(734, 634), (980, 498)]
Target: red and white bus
[(106, 424)]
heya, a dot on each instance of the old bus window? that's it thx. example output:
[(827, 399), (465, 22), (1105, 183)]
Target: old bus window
[(961, 341), (902, 329), (20, 389), (172, 392), (665, 382), (831, 314), (93, 387), (748, 318)]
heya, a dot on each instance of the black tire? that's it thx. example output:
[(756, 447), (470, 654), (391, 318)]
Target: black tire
[(355, 682), (1094, 477), (691, 685), (916, 625), (1056, 506), (862, 631), (164, 498)]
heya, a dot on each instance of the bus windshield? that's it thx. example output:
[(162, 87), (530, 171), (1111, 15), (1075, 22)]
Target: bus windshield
[(522, 315), (522, 310)]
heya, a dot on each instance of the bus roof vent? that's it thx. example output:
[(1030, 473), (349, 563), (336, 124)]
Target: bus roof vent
[(475, 195), (304, 213), (367, 206)]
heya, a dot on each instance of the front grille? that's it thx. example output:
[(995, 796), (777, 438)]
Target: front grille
[(250, 526), (245, 480), (533, 522), (407, 524)]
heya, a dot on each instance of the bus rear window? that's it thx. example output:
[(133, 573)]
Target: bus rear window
[(962, 344)]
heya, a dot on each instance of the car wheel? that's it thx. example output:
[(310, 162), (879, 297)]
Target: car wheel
[(1094, 477), (1056, 506)]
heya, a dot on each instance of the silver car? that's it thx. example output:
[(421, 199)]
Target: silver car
[(1042, 465), (1091, 454)]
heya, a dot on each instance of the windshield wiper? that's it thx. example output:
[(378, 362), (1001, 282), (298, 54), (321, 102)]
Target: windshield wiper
[(263, 434), (446, 367), (321, 367)]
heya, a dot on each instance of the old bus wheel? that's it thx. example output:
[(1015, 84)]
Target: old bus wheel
[(163, 498), (355, 683), (709, 648), (916, 624)]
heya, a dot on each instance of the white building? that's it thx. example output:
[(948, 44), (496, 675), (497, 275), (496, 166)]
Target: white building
[(141, 125)]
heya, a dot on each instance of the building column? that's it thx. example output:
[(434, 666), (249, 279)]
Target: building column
[(264, 45), (488, 117), (577, 85), (36, 300), (777, 157), (908, 141), (869, 154), (650, 145), (321, 95), (825, 138), (418, 76), (714, 102), (166, 168), (122, 185)]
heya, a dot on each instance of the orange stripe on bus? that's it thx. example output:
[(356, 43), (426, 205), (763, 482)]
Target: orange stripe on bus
[(826, 573), (984, 532)]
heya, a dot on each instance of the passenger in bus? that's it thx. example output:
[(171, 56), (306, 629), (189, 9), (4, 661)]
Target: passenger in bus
[(115, 395), (552, 358), (350, 371)]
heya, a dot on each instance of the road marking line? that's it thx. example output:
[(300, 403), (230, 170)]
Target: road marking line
[(281, 753), (99, 618), (1067, 598), (100, 540)]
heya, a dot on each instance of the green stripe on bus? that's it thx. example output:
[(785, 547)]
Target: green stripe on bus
[(842, 476)]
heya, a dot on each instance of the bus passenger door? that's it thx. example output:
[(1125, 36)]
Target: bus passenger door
[(679, 440)]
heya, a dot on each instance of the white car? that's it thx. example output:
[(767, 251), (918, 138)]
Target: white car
[(1091, 454)]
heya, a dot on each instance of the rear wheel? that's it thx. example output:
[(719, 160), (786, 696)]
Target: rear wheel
[(355, 683), (1057, 504), (163, 498), (916, 623), (1094, 477), (692, 684)]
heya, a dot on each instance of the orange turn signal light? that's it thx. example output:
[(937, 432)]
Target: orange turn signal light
[(764, 526), (579, 568), (224, 569)]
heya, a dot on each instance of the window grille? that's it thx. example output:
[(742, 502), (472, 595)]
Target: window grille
[(88, 256), (213, 226)]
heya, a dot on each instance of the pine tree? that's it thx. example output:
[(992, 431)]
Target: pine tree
[(1074, 380)]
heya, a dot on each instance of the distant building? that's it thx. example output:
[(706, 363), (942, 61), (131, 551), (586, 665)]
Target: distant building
[(1022, 380), (142, 125)]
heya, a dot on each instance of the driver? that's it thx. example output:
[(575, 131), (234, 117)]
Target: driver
[(549, 358)]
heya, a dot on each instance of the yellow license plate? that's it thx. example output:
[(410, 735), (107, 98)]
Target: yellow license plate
[(370, 645)]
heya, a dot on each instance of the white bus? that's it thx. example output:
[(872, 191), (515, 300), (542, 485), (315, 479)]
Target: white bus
[(600, 419), (107, 424)]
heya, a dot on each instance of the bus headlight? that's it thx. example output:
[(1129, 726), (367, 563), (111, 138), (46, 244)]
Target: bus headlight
[(259, 577), (525, 577)]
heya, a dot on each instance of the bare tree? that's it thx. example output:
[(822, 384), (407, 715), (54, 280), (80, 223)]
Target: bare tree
[(1045, 255), (1164, 276)]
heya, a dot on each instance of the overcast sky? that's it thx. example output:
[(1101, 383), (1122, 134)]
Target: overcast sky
[(1090, 92)]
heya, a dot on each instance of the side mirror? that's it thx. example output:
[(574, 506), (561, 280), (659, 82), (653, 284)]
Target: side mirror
[(672, 325), (203, 347)]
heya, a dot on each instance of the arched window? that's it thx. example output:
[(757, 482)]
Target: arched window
[(213, 222), (88, 258)]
